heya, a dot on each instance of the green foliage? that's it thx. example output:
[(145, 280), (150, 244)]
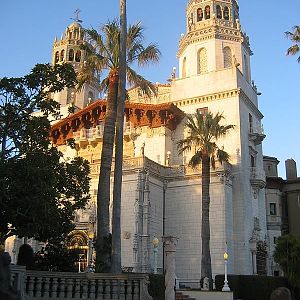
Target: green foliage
[(25, 256), (156, 287), (205, 130), (39, 191), (249, 287), (295, 38), (56, 257), (287, 255), (104, 55)]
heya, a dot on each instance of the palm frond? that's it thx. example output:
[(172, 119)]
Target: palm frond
[(205, 130), (135, 34), (295, 38), (293, 50), (103, 86), (103, 52), (150, 54), (196, 159), (145, 85), (222, 156)]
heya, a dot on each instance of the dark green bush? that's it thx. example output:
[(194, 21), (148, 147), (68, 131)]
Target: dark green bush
[(249, 287), (156, 287), (26, 256)]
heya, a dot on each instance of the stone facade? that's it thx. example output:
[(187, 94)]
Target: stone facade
[(282, 204), (161, 194)]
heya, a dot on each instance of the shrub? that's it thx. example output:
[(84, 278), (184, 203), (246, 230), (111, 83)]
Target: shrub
[(249, 287), (156, 287), (26, 256)]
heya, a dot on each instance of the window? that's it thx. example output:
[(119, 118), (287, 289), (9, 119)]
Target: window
[(56, 57), (202, 61), (78, 56), (226, 13), (252, 161), (274, 240), (207, 12), (250, 123), (219, 12), (71, 55), (199, 14), (62, 55), (227, 57), (273, 209), (184, 68)]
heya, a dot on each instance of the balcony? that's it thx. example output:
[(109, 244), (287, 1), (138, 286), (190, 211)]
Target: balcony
[(274, 222), (84, 136), (257, 180), (95, 134), (256, 134)]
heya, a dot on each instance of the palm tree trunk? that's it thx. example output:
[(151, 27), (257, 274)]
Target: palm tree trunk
[(205, 228), (116, 220), (103, 242)]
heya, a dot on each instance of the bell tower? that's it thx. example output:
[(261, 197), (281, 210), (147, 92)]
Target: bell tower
[(68, 49), (214, 40), (215, 75)]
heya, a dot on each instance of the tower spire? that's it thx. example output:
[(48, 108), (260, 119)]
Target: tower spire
[(77, 13)]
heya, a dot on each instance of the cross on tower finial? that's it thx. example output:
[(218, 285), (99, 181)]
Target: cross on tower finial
[(76, 19)]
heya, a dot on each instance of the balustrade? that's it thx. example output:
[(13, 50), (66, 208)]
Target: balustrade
[(38, 285)]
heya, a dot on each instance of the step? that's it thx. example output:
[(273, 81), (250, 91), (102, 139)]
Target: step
[(181, 296)]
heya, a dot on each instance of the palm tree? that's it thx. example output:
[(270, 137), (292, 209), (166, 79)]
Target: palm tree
[(117, 190), (205, 130), (103, 54), (295, 38)]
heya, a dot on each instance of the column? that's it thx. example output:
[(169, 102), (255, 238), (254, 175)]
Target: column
[(170, 277)]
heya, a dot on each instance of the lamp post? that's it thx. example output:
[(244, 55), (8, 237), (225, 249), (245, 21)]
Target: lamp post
[(155, 243), (226, 286), (90, 250)]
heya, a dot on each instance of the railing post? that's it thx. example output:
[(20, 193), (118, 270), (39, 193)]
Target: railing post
[(170, 250)]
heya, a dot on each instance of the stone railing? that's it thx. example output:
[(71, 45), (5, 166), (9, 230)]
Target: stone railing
[(134, 163), (96, 133), (271, 219), (36, 285)]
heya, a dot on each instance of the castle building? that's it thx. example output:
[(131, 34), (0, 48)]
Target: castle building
[(161, 194), (282, 204)]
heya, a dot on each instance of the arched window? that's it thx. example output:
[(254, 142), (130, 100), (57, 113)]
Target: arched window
[(227, 57), (70, 35), (207, 12), (78, 56), (56, 57), (184, 68), (202, 61), (62, 55), (219, 12), (71, 55), (199, 14), (226, 13)]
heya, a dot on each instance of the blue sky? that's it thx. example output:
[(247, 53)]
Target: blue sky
[(28, 28)]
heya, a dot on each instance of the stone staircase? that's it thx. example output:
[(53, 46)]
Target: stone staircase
[(182, 296)]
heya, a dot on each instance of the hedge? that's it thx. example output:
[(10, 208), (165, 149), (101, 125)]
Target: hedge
[(249, 287), (156, 287)]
